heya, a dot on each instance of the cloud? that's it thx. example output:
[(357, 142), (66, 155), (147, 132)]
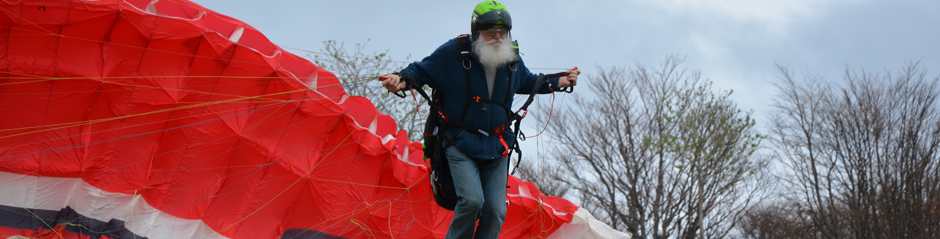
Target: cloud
[(774, 16)]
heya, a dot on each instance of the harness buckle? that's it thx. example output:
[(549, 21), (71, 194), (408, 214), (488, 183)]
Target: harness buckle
[(467, 64), (442, 116), (499, 130), (524, 113)]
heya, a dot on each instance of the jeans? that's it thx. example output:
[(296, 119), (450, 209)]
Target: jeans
[(481, 186)]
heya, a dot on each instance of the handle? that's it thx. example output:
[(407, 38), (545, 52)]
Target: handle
[(400, 93)]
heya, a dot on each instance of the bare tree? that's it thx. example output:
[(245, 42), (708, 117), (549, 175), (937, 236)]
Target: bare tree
[(541, 174), (797, 124), (358, 71), (656, 154), (777, 220), (863, 155)]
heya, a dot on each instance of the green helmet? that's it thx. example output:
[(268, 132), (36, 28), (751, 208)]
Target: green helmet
[(488, 14)]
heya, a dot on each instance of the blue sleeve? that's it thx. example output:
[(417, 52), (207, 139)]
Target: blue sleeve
[(430, 70), (529, 80)]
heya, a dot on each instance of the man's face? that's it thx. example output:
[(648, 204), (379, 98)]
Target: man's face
[(494, 47), (486, 37)]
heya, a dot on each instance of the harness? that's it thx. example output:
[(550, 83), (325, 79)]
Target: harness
[(463, 53), (437, 122)]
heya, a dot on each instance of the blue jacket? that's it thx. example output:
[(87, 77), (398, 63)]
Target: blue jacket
[(443, 71)]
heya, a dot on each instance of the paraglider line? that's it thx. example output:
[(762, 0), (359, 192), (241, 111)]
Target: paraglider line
[(49, 33), (280, 193), (33, 214), (66, 125), (381, 204)]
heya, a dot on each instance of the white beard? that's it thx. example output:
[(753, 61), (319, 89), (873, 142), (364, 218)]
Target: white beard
[(495, 52)]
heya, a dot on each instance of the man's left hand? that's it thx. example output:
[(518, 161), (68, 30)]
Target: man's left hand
[(571, 79)]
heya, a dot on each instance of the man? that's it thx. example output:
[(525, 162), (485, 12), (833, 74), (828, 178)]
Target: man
[(477, 159)]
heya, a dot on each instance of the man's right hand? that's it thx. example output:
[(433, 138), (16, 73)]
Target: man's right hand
[(392, 82)]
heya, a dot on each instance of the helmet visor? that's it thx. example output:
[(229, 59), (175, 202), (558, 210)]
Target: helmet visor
[(493, 17)]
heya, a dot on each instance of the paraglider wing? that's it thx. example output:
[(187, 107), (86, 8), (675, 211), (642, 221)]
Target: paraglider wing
[(162, 119)]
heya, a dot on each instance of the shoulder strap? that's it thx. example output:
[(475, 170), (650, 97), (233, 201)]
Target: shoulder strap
[(463, 50), (463, 53)]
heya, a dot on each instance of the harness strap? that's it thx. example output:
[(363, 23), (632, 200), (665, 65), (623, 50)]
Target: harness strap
[(463, 52), (464, 49), (525, 110), (502, 128), (499, 131)]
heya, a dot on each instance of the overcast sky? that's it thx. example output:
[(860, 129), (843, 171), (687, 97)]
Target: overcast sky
[(734, 43)]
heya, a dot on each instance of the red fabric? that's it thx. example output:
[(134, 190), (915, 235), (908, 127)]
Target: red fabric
[(166, 106)]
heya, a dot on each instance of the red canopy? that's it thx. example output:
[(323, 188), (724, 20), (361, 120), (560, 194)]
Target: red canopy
[(163, 119)]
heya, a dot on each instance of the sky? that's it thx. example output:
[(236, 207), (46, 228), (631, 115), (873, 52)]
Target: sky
[(736, 44)]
